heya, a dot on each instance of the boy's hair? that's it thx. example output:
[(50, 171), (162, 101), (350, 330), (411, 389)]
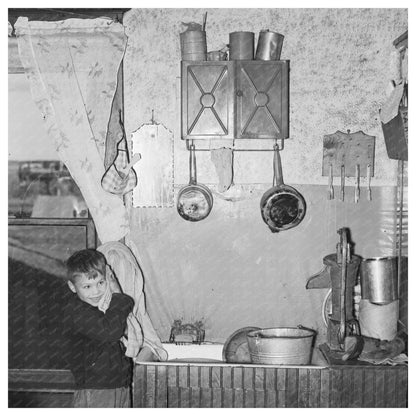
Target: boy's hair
[(88, 261)]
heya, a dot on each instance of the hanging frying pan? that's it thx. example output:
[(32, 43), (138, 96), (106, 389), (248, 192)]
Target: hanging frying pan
[(194, 200), (282, 207)]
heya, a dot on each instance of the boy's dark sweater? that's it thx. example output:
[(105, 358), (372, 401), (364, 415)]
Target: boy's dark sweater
[(97, 356)]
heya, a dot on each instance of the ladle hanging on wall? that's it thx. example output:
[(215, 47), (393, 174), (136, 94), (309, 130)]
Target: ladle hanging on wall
[(282, 207)]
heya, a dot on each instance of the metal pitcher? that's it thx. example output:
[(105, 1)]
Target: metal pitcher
[(379, 279)]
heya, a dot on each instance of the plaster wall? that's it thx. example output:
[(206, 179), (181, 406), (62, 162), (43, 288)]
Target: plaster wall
[(229, 269), (341, 61)]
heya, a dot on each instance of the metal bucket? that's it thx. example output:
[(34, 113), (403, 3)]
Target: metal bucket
[(283, 346), (241, 46), (193, 45), (269, 46), (379, 279)]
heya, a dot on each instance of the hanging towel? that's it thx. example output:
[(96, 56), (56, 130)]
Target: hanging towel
[(119, 178), (223, 162), (140, 331)]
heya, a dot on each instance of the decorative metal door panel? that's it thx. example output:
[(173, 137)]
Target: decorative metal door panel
[(207, 100), (262, 99)]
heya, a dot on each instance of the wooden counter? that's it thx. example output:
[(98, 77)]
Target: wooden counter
[(223, 385), (204, 385)]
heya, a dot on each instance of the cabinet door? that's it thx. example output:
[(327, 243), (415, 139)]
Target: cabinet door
[(207, 100), (262, 99)]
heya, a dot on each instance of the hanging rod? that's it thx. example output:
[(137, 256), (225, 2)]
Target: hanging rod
[(232, 145)]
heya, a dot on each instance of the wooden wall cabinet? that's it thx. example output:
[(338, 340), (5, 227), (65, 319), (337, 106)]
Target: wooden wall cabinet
[(235, 100)]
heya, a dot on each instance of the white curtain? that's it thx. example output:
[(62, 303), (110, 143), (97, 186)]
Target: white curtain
[(72, 67)]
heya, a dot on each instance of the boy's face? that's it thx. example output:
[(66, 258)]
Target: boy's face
[(89, 289)]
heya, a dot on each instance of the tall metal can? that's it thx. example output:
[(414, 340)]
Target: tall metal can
[(269, 46), (241, 46), (193, 45)]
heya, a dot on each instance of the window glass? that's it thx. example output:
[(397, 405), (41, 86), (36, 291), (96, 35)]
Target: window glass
[(39, 184)]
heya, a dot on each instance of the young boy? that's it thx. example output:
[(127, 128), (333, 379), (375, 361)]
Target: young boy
[(97, 360)]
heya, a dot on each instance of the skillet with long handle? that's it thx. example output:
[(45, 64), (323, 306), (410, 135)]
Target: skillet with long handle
[(282, 207), (194, 200)]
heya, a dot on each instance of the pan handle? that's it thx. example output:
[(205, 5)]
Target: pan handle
[(277, 167), (192, 165)]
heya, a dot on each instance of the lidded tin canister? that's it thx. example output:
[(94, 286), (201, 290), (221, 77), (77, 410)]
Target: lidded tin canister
[(269, 46), (241, 46), (193, 45)]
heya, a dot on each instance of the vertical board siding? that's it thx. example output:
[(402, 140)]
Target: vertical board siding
[(192, 386), (150, 386), (161, 387), (314, 388), (324, 399)]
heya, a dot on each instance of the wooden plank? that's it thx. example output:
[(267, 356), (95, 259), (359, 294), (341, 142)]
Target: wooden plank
[(237, 383), (303, 388), (139, 386), (270, 387), (248, 378), (227, 397), (249, 398), (161, 386), (205, 381), (270, 398), (150, 386), (402, 386), (259, 398), (183, 376), (173, 384), (155, 169), (238, 397), (206, 397), (270, 376), (379, 388), (348, 150), (314, 387), (325, 388), (237, 378), (184, 397), (248, 386), (357, 397), (259, 378), (217, 398), (226, 377), (281, 383), (391, 387), (216, 375), (336, 388), (194, 376), (292, 398), (368, 391), (347, 387), (173, 396), (195, 396)]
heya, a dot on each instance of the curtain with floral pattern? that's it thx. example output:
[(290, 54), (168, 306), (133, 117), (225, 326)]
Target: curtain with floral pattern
[(72, 67)]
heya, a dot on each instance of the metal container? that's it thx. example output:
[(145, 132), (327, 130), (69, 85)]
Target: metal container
[(269, 46), (282, 346), (216, 56), (193, 45), (241, 46), (379, 279)]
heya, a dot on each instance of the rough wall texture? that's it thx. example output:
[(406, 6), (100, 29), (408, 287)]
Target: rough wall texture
[(341, 61), (229, 269)]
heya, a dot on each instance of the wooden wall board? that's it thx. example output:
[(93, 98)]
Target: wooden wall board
[(155, 168), (348, 150)]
